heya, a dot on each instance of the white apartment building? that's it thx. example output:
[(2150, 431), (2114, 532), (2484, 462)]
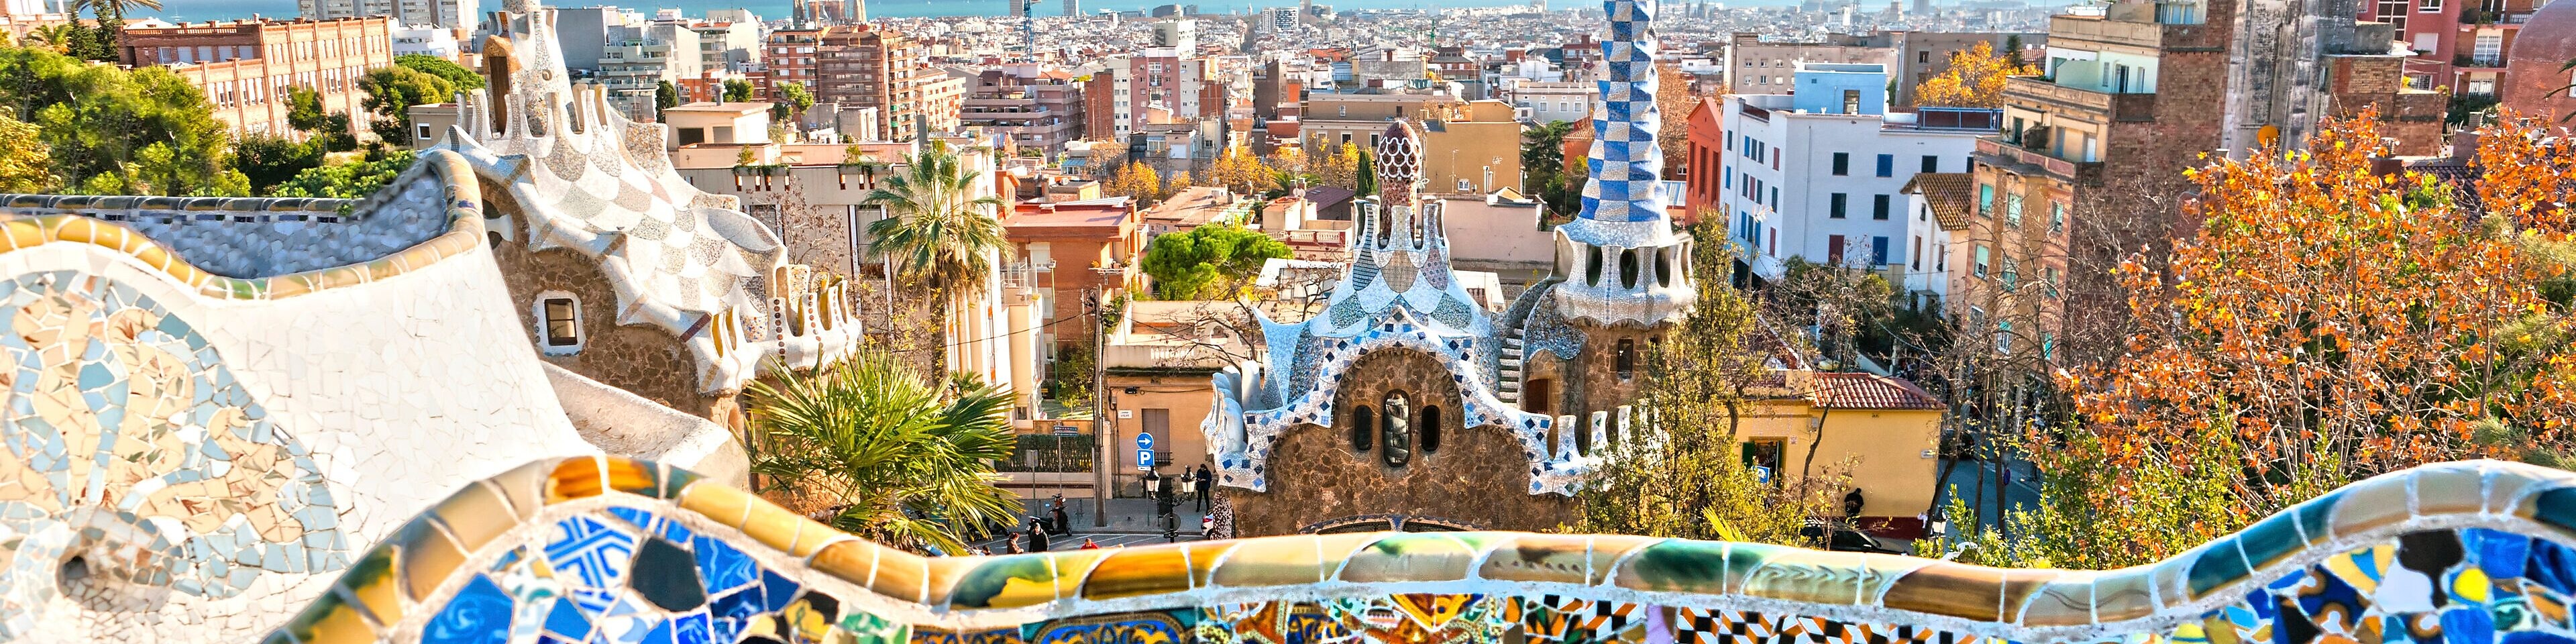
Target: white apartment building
[(634, 67), (1820, 174), (432, 41), (451, 14), (1544, 102)]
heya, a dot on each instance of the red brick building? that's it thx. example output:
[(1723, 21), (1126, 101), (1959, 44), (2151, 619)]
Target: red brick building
[(247, 67)]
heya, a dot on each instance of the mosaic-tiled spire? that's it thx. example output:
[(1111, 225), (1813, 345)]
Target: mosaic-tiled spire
[(1627, 165), (1399, 165), (1620, 262)]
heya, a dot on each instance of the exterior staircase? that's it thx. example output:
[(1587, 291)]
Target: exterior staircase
[(1509, 377)]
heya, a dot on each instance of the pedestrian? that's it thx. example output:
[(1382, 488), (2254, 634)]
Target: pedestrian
[(1037, 535), (1088, 544), (1063, 526), (1207, 486), (1012, 547)]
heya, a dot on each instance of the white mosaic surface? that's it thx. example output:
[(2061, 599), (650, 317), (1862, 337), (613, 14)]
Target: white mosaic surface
[(394, 392), (591, 181)]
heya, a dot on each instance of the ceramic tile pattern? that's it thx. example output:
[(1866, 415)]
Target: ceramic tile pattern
[(588, 180), (1397, 293), (141, 454), (612, 550), (194, 457)]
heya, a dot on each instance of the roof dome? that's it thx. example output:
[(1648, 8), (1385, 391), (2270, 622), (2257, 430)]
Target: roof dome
[(2545, 45)]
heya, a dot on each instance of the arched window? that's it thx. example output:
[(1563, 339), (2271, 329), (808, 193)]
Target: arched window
[(1592, 266), (1363, 428), (1664, 265), (1430, 430), (1626, 359), (1628, 268)]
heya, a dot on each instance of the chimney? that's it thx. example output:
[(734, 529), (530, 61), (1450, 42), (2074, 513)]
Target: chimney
[(2464, 146)]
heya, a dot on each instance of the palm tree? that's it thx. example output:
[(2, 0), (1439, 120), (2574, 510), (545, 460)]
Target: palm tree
[(111, 16), (57, 38), (935, 227), (908, 461)]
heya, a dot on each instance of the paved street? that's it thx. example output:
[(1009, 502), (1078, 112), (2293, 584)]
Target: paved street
[(1131, 522)]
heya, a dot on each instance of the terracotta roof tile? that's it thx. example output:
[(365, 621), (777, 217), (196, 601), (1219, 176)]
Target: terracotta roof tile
[(1952, 196), (1837, 390)]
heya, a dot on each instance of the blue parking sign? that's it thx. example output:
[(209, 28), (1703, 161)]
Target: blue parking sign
[(1145, 460)]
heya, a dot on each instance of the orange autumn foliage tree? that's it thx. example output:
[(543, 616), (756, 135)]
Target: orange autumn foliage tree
[(1976, 79), (2324, 324)]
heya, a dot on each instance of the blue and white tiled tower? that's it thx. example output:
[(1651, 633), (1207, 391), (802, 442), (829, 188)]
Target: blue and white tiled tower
[(1620, 258)]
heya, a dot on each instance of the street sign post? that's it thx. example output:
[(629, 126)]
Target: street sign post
[(1144, 451)]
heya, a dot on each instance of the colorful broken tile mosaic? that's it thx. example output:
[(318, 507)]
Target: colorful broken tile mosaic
[(133, 465), (615, 551)]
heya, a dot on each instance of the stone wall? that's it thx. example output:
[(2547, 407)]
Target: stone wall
[(640, 359), (1477, 476)]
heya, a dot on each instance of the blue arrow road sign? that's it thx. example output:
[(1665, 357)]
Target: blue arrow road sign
[(1144, 441)]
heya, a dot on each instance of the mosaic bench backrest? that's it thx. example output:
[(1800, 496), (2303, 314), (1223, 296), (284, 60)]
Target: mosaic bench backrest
[(614, 550)]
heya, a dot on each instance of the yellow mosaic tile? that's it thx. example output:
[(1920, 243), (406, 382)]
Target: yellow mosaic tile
[(2449, 490), (1072, 567), (724, 504), (1275, 561), (575, 478), (851, 560), (901, 578), (475, 515), (2122, 595), (426, 556), (1420, 556), (371, 583), (1945, 588), (524, 487), (1140, 570), (328, 621), (2017, 586), (2066, 601), (2370, 504)]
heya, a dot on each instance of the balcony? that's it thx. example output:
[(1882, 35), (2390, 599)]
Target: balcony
[(2127, 107), (2071, 29), (2016, 159)]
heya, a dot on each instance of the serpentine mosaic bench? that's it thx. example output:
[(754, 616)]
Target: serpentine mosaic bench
[(616, 550)]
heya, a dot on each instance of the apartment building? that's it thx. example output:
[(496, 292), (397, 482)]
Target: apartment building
[(444, 14), (788, 56), (1543, 102), (633, 69), (1756, 66), (1034, 105), (1821, 174), (868, 66), (246, 67), (728, 45)]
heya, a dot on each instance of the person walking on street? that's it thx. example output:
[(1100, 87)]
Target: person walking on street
[(1037, 535), (1207, 486), (1062, 525), (1088, 544), (1012, 547)]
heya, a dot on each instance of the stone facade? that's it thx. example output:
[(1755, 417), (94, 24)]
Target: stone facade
[(1451, 484), (642, 360)]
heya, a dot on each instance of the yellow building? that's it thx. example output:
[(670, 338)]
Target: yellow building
[(1884, 431)]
